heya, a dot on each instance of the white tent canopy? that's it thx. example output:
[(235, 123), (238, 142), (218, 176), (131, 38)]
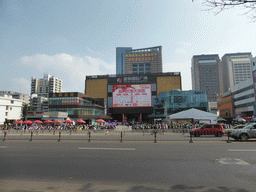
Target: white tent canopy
[(196, 115)]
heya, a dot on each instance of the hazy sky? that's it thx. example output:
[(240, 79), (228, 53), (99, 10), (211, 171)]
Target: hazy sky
[(75, 38)]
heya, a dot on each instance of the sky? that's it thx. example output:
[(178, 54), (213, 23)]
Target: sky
[(74, 38)]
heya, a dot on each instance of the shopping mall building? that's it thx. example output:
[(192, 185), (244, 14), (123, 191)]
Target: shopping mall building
[(78, 106), (129, 97)]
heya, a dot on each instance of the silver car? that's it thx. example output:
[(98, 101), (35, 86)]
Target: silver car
[(249, 131)]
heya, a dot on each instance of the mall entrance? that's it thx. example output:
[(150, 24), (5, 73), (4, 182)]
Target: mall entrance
[(130, 118)]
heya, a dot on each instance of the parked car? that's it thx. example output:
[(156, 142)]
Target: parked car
[(233, 128), (249, 131), (208, 129)]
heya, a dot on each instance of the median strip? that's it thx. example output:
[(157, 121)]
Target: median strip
[(117, 149)]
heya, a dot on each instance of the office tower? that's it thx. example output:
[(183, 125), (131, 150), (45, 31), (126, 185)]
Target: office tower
[(236, 68), (120, 59), (254, 81), (44, 86), (206, 74), (139, 61)]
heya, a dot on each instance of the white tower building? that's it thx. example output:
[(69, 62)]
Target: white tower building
[(40, 89), (44, 86), (236, 68)]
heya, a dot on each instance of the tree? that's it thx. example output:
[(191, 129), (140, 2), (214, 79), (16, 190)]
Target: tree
[(218, 6), (25, 109)]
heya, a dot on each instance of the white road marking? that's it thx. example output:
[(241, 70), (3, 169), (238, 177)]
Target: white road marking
[(3, 147), (247, 150), (118, 149), (232, 161)]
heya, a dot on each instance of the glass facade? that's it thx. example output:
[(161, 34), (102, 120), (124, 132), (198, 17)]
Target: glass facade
[(64, 101), (168, 103), (70, 101), (120, 59), (78, 111), (76, 105)]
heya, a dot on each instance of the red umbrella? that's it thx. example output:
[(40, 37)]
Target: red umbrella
[(17, 122), (80, 121), (100, 121), (48, 121), (68, 121), (37, 121), (57, 121), (27, 122)]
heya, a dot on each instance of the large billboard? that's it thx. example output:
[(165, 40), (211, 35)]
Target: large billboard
[(132, 95)]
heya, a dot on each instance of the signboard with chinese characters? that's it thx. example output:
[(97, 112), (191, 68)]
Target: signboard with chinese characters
[(133, 79), (131, 95)]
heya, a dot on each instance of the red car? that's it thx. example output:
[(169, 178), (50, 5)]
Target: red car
[(208, 129)]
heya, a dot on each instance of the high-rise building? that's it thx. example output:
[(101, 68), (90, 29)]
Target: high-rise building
[(40, 90), (44, 86), (254, 81), (120, 59), (139, 61), (236, 68), (206, 74)]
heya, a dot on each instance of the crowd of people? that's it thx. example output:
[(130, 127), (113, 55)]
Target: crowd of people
[(50, 127), (80, 127)]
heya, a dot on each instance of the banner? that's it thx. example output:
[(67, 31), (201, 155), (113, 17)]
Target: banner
[(132, 95)]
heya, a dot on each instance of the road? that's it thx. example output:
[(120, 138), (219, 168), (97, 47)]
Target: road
[(76, 165)]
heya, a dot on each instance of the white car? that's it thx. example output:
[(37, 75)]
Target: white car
[(249, 131)]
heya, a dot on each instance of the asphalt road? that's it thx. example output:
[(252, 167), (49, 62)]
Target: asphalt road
[(129, 166)]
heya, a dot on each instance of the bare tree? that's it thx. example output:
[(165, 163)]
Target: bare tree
[(218, 6)]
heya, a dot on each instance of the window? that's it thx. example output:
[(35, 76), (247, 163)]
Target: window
[(6, 113), (12, 101), (7, 107)]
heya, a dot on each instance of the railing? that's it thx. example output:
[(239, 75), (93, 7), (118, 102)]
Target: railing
[(186, 135)]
